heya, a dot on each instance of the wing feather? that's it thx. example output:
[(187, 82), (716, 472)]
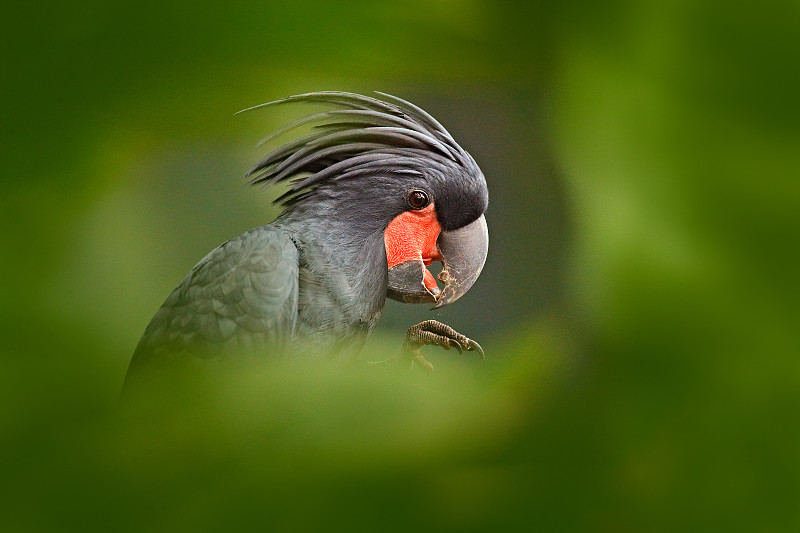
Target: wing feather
[(240, 297)]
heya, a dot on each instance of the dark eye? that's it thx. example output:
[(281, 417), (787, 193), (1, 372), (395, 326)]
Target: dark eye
[(417, 199)]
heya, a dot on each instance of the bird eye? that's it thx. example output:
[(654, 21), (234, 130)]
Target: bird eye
[(417, 199)]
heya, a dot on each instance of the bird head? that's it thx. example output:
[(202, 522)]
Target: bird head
[(418, 187)]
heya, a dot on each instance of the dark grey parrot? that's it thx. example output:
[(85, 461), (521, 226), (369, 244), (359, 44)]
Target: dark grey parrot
[(378, 191)]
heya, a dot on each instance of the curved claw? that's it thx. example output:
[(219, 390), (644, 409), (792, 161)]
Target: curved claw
[(475, 347)]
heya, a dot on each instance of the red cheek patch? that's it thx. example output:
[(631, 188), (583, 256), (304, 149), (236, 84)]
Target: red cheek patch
[(411, 236)]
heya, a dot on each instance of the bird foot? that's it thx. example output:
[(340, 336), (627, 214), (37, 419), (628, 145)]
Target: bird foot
[(434, 333), (429, 333)]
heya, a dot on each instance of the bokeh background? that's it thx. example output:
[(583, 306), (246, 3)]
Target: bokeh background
[(639, 308)]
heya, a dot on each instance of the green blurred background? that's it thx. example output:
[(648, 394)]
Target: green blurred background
[(638, 309)]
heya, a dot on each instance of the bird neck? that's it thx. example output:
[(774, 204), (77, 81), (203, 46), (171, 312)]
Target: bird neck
[(347, 262)]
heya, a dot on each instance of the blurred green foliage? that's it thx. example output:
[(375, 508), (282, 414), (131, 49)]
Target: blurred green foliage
[(639, 307)]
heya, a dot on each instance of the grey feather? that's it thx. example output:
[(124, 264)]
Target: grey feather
[(341, 139), (353, 116), (247, 285)]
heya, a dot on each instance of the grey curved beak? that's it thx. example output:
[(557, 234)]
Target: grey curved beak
[(463, 253)]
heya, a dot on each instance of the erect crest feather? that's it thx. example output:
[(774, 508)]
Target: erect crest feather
[(361, 135)]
